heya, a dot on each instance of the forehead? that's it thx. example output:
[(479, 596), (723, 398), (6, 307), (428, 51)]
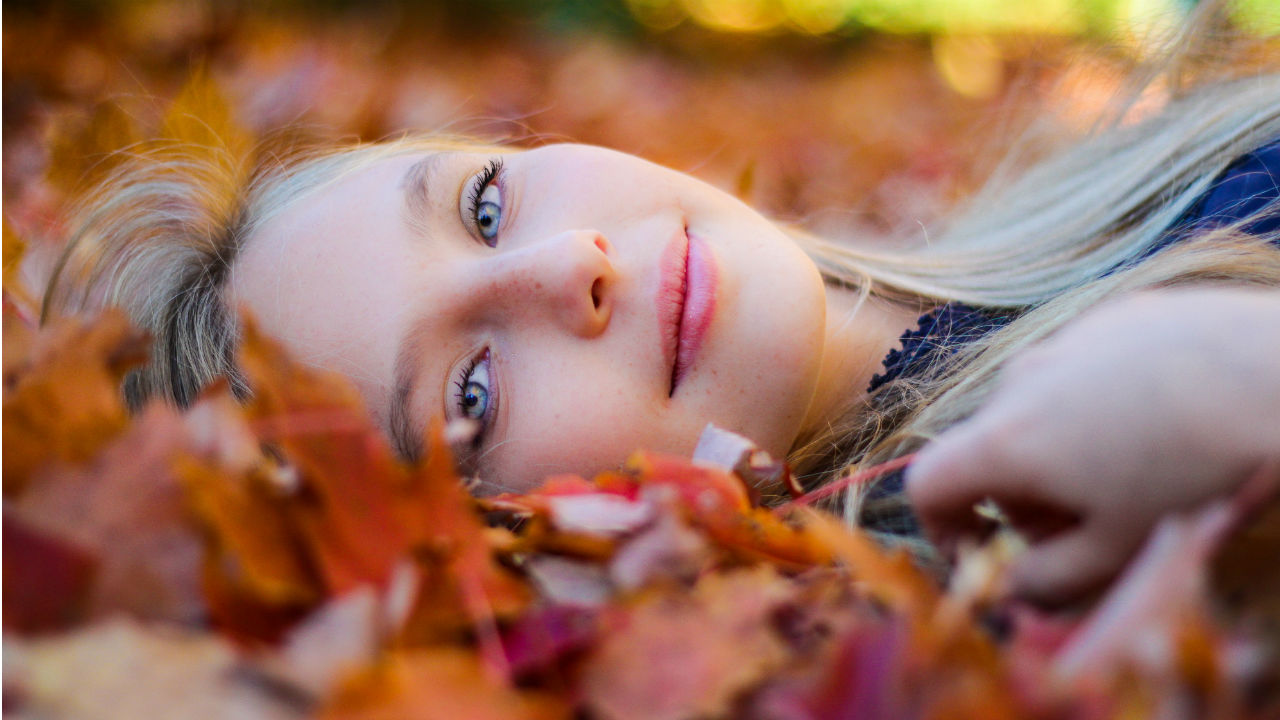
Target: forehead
[(328, 276)]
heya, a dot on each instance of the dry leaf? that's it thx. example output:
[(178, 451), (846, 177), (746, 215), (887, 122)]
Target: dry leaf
[(122, 670), (677, 656), (437, 683), (126, 509), (66, 403), (15, 249)]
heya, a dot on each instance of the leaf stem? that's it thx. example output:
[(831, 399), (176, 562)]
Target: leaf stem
[(848, 481)]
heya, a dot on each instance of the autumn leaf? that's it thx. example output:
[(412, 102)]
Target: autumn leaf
[(201, 118), (47, 580), (65, 403), (15, 249), (670, 655), (340, 511), (126, 510), (85, 148), (437, 683), (124, 670)]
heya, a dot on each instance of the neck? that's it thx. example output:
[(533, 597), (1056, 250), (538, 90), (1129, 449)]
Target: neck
[(858, 336)]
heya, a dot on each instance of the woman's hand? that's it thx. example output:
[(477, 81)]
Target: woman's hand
[(1150, 404)]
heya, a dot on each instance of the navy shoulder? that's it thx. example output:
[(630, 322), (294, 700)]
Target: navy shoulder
[(1243, 190)]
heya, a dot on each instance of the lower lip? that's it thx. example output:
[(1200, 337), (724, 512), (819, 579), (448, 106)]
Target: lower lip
[(699, 307)]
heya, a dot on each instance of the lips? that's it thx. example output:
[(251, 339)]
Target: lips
[(686, 302)]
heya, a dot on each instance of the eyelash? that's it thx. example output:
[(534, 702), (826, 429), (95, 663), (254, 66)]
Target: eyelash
[(464, 378), (492, 172)]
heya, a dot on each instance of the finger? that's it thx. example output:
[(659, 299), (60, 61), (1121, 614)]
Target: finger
[(1064, 569), (962, 467)]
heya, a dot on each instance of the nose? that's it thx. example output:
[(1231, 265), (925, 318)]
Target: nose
[(568, 277)]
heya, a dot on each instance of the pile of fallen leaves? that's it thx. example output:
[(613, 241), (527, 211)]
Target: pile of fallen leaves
[(276, 560)]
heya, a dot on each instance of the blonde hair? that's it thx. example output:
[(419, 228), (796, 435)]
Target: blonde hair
[(1044, 246), (159, 237)]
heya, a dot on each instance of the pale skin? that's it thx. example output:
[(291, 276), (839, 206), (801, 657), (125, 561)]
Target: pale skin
[(525, 299), (1155, 403), (562, 298)]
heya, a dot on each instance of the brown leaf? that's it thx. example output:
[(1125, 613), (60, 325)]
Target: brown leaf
[(1243, 577), (443, 683), (15, 249), (84, 149), (341, 637), (341, 512), (124, 670), (200, 117), (126, 509), (65, 401), (47, 579), (678, 656)]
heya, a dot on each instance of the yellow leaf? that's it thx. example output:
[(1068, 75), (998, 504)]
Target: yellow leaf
[(83, 150), (14, 250), (202, 117), (64, 401)]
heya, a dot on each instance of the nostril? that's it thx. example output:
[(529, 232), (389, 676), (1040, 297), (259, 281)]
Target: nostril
[(596, 288)]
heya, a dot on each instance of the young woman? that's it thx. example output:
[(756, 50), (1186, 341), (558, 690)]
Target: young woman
[(1092, 344)]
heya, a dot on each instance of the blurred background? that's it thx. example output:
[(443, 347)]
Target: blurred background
[(848, 115)]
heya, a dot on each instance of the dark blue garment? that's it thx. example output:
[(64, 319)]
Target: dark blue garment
[(1245, 189)]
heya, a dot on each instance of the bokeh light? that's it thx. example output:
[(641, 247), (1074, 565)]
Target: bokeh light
[(818, 17)]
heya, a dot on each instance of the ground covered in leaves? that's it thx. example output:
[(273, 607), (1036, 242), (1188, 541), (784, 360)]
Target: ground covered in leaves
[(275, 560)]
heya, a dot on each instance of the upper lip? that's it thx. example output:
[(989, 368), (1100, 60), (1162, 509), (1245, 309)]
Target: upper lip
[(672, 293)]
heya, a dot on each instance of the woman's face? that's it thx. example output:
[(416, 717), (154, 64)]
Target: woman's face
[(575, 302)]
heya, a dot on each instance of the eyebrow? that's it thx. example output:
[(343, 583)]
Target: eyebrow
[(405, 440), (415, 184)]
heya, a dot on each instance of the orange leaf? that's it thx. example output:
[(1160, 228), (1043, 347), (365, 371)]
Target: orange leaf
[(890, 577), (65, 403), (201, 117), (84, 149), (126, 508), (443, 683), (124, 670), (14, 250), (701, 488), (350, 512), (676, 656)]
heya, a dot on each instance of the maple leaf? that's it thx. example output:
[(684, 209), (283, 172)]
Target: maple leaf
[(443, 683), (671, 655), (1242, 577), (62, 401), (125, 509), (200, 116), (85, 148), (47, 580), (125, 670), (14, 250), (341, 512)]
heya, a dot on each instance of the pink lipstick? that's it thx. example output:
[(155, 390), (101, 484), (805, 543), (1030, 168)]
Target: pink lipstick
[(686, 302)]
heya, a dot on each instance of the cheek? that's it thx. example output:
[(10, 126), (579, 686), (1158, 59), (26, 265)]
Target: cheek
[(579, 429)]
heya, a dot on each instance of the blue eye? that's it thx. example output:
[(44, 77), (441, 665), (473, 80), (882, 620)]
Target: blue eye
[(486, 202), (473, 391)]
